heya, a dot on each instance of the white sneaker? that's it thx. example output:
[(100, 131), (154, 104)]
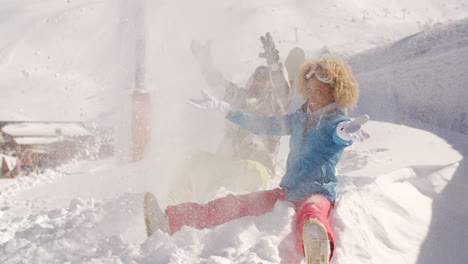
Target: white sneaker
[(155, 218), (316, 243)]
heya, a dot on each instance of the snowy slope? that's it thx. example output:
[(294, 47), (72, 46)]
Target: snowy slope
[(71, 60), (49, 59), (422, 77)]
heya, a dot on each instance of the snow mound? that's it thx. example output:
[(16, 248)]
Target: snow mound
[(387, 185)]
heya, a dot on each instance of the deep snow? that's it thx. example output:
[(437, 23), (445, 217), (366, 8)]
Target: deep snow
[(402, 193)]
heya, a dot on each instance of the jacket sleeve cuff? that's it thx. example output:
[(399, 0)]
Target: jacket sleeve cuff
[(274, 66)]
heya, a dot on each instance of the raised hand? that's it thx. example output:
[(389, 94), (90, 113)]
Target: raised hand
[(209, 103), (270, 53), (201, 51), (352, 130)]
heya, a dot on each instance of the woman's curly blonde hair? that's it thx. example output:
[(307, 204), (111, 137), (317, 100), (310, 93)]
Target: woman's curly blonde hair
[(344, 87)]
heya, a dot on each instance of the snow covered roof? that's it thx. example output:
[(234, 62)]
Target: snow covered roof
[(37, 140), (45, 130)]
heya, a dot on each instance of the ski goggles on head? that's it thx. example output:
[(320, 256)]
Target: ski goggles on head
[(317, 71), (262, 72)]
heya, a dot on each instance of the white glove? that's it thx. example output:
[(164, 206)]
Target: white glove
[(351, 130), (210, 103)]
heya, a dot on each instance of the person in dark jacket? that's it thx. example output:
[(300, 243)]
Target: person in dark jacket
[(247, 161)]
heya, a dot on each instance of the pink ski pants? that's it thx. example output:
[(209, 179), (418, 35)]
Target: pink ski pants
[(231, 207)]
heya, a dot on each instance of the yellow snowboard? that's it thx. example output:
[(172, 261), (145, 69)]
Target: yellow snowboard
[(206, 172)]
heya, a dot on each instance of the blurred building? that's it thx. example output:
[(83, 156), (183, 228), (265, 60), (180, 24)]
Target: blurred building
[(44, 137)]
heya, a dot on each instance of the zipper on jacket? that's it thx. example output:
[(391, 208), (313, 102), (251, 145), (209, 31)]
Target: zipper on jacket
[(321, 176)]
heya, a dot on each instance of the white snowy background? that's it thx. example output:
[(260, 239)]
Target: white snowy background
[(402, 193)]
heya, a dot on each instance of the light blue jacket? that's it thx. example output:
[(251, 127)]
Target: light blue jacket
[(315, 148)]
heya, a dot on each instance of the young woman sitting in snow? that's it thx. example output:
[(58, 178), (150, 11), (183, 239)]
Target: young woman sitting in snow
[(319, 133)]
